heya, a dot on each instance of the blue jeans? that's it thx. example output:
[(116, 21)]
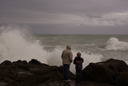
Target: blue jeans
[(65, 71), (78, 76)]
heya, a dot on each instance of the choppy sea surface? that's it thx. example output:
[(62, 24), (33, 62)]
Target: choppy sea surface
[(18, 44), (94, 46)]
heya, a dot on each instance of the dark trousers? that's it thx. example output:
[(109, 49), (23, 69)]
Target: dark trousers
[(65, 71), (78, 76)]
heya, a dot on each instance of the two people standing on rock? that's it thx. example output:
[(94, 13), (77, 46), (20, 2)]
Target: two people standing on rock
[(67, 58)]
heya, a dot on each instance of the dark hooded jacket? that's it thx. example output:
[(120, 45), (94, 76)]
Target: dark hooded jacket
[(78, 62)]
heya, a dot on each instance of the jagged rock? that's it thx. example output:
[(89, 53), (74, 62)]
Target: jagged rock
[(107, 71), (34, 61), (33, 73), (119, 65), (20, 62), (6, 62), (97, 72)]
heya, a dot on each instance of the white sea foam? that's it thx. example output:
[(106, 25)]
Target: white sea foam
[(126, 62), (54, 58), (88, 58), (17, 44), (114, 44)]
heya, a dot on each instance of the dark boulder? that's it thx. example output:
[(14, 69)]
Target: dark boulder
[(122, 79), (34, 61), (98, 72), (6, 62), (107, 71), (119, 65)]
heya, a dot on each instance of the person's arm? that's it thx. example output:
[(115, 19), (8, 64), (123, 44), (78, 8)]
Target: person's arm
[(74, 61)]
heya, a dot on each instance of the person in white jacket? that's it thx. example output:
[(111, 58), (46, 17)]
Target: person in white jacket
[(67, 57)]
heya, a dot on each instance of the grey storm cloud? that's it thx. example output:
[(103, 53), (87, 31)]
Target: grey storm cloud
[(60, 16)]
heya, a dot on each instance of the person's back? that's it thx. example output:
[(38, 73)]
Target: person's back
[(67, 55), (78, 64), (66, 59)]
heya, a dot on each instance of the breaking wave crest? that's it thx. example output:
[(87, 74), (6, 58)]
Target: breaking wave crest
[(16, 43), (114, 44)]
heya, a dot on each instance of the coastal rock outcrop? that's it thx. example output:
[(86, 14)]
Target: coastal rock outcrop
[(33, 73), (110, 71)]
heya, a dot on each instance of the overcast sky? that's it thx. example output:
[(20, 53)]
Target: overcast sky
[(67, 16)]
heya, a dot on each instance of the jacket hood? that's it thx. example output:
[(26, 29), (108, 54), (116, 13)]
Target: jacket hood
[(68, 47)]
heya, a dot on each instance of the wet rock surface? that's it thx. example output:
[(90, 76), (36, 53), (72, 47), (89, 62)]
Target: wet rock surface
[(34, 73)]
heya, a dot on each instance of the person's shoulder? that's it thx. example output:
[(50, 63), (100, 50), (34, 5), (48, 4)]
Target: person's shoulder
[(70, 51), (81, 58), (75, 57), (64, 50)]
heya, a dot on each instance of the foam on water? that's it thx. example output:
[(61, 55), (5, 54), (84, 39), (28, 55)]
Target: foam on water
[(54, 58), (88, 58), (17, 44), (114, 44)]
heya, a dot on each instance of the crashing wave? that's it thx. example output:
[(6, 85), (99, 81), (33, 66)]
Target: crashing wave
[(114, 44)]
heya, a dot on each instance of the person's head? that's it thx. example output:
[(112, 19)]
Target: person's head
[(79, 54), (68, 47)]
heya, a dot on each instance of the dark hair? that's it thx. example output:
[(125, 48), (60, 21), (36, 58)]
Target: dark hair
[(79, 54)]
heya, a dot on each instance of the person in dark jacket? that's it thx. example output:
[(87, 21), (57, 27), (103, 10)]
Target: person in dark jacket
[(78, 65)]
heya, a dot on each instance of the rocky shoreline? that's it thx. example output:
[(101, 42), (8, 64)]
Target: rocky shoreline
[(34, 73)]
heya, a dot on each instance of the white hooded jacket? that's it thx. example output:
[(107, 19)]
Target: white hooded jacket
[(67, 55)]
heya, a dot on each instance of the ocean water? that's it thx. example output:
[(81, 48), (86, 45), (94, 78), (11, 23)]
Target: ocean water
[(17, 43)]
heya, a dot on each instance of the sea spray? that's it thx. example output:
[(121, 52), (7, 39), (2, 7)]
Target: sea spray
[(54, 58), (15, 44), (88, 58), (114, 44)]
